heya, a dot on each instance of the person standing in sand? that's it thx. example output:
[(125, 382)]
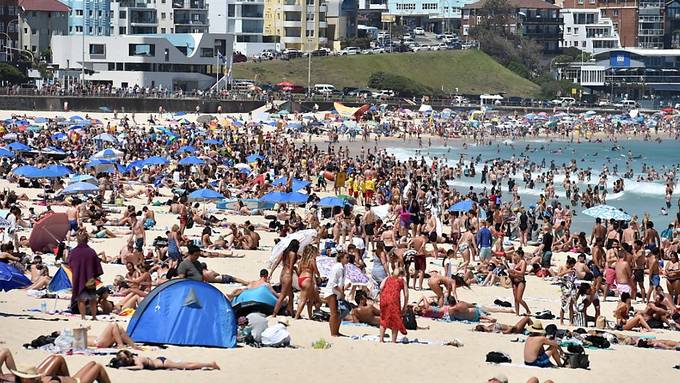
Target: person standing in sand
[(391, 306), (335, 294), (85, 267), (288, 259), (624, 274)]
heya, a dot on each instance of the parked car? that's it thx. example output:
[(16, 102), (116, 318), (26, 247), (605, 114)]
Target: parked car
[(350, 51), (563, 101), (319, 53), (439, 47), (359, 92), (325, 89), (419, 31), (455, 45), (382, 94)]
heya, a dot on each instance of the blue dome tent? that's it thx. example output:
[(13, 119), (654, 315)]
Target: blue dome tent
[(259, 299), (184, 312)]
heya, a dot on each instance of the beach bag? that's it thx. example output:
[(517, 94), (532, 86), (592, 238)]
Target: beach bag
[(276, 336), (601, 322), (190, 222), (578, 361), (409, 319), (498, 357)]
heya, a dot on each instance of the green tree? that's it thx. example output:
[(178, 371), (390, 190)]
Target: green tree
[(496, 16), (10, 74)]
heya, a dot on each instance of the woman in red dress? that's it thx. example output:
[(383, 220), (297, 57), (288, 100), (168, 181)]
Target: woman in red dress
[(391, 305)]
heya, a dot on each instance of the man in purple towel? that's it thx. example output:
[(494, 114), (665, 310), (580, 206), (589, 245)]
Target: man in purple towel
[(85, 268)]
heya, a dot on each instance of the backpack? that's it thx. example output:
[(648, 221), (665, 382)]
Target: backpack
[(578, 361), (498, 357), (597, 341), (409, 319)]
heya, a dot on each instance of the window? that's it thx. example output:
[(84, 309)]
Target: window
[(99, 13), (12, 10), (568, 29), (231, 10), (34, 31), (122, 14), (122, 30), (166, 53), (90, 30), (142, 50), (207, 52), (615, 12), (163, 31), (79, 12), (89, 13), (97, 49), (34, 48), (162, 15), (2, 10), (25, 31)]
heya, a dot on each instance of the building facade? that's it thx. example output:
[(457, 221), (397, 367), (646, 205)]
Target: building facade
[(134, 17), (623, 14), (92, 17), (587, 30), (437, 16), (651, 76), (184, 16), (245, 20), (341, 21), (370, 12), (297, 24), (672, 25), (173, 62), (9, 37), (536, 19), (651, 23), (39, 20)]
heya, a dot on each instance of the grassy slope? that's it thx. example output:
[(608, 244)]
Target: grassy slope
[(470, 71)]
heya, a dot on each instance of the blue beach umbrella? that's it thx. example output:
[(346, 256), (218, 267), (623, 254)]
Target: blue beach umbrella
[(607, 212), (331, 202), (80, 188), (213, 142), (191, 160), (462, 206), (6, 153), (82, 178), (59, 170), (280, 197), (19, 147), (254, 157), (155, 160), (205, 195), (108, 153), (297, 184), (105, 137), (187, 149), (11, 278)]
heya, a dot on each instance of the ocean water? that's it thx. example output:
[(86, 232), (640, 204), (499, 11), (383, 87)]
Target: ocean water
[(636, 199)]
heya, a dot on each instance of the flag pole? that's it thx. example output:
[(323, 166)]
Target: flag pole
[(217, 71)]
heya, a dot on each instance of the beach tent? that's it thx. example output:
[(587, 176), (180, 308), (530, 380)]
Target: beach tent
[(184, 312), (61, 280), (11, 278), (257, 300)]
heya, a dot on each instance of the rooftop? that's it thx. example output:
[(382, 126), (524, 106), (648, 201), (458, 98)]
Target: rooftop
[(43, 5), (529, 4)]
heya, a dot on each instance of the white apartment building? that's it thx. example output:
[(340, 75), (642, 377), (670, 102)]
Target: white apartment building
[(135, 17), (179, 61), (245, 20), (588, 30)]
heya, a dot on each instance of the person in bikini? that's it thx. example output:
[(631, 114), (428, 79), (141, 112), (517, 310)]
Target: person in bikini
[(126, 360), (52, 369)]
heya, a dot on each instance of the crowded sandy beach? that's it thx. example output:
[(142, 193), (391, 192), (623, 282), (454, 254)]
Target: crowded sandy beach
[(354, 243)]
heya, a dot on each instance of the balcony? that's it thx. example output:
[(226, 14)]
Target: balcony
[(543, 20), (292, 8), (292, 23), (650, 32), (187, 21)]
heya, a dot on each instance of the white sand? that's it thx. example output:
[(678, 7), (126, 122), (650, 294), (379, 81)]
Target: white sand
[(347, 360)]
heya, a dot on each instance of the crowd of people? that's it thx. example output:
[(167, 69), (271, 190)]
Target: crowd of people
[(395, 219)]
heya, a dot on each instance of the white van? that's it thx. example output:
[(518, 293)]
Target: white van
[(629, 104), (324, 89)]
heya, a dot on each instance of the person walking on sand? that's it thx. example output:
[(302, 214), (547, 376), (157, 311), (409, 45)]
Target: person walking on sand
[(335, 294), (85, 268), (391, 306)]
